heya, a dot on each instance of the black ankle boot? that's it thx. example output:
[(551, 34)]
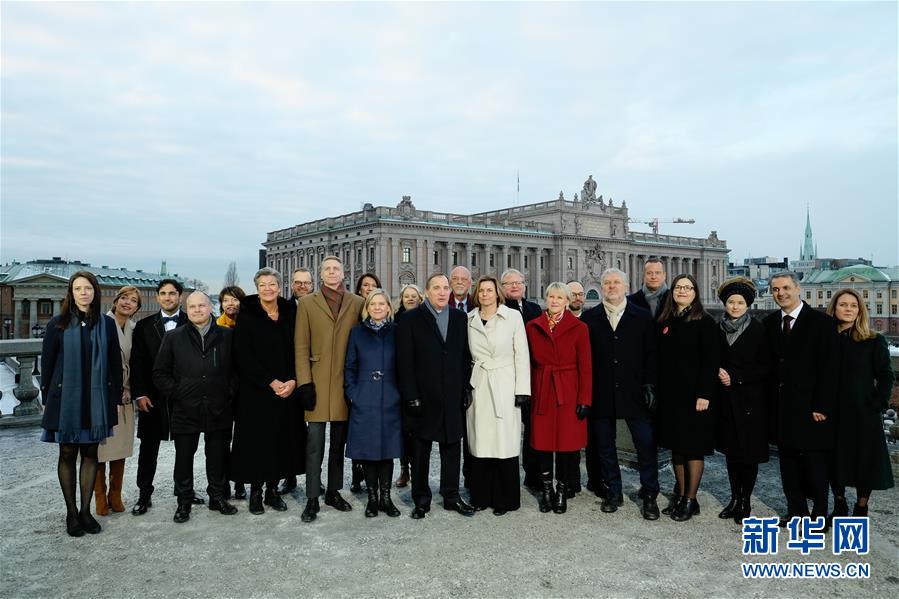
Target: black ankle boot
[(560, 505), (371, 508), (686, 510), (73, 525), (358, 477), (840, 507), (857, 511), (674, 504), (92, 527), (256, 501), (729, 510), (273, 500), (546, 497), (386, 504)]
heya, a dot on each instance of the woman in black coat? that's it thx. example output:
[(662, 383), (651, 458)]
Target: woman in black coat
[(689, 356), (81, 388), (410, 298), (866, 381), (742, 425), (268, 444)]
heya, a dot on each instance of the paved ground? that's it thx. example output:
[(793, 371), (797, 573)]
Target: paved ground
[(580, 554)]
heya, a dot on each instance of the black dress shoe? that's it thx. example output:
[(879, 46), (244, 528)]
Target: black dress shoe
[(729, 509), (418, 512), (310, 512), (674, 504), (240, 491), (256, 502), (89, 524), (274, 501), (650, 508), (782, 523), (859, 511), (222, 506), (197, 500), (140, 508), (459, 505), (611, 503), (337, 502), (73, 525), (498, 512), (182, 514), (547, 497), (288, 485), (687, 509)]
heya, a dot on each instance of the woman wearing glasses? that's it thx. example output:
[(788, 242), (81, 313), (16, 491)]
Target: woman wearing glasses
[(689, 357)]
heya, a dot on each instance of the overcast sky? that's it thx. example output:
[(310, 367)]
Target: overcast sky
[(137, 132)]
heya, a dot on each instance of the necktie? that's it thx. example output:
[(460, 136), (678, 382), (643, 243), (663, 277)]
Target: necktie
[(460, 306), (168, 319), (788, 324)]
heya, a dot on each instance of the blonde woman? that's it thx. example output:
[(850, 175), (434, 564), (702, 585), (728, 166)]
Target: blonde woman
[(866, 381)]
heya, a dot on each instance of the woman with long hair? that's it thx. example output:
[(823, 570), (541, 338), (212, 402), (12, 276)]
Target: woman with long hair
[(120, 445), (81, 386), (866, 381), (689, 358)]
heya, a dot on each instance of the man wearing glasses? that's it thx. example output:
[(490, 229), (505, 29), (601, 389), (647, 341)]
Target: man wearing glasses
[(578, 297), (301, 284), (513, 288)]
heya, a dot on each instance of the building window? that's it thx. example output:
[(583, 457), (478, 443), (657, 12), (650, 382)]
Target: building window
[(893, 294), (45, 308), (302, 260), (570, 262), (346, 257), (865, 294), (542, 262), (879, 295), (879, 309), (829, 293), (492, 258), (893, 309), (526, 261), (820, 294), (509, 261), (407, 255), (371, 254), (619, 265), (359, 255), (455, 258), (474, 259), (592, 294), (436, 257)]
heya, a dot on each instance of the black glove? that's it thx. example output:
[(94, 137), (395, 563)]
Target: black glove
[(649, 398), (346, 398), (581, 410), (306, 395), (466, 399), (414, 407), (522, 400)]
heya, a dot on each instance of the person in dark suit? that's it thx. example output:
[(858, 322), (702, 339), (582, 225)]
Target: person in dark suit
[(434, 367), (742, 416), (623, 346), (153, 421), (460, 282), (689, 358), (804, 364), (866, 381), (193, 372), (512, 282), (654, 292)]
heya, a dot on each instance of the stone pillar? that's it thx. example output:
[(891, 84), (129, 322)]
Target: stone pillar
[(503, 252), (394, 264), (32, 315), (25, 391), (57, 307), (16, 316), (421, 261)]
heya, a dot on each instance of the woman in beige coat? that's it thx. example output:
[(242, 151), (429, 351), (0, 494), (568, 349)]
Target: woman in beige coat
[(501, 382), (121, 444)]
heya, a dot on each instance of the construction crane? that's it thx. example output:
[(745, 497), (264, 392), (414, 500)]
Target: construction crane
[(654, 222)]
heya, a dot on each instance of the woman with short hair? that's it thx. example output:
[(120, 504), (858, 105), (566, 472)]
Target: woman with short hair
[(229, 301), (364, 286), (866, 381), (81, 362)]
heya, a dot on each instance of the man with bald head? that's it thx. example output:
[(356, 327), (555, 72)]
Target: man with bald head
[(460, 281), (192, 371), (578, 298)]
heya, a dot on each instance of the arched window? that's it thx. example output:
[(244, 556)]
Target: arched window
[(592, 294)]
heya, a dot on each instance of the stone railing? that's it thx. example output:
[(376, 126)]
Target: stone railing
[(22, 356)]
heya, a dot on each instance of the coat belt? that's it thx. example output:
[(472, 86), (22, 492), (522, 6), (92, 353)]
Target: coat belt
[(551, 375), (487, 368)]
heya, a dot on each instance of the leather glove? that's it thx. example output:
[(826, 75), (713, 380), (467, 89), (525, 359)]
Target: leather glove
[(414, 407), (581, 410), (306, 395), (649, 398), (466, 399), (522, 400)]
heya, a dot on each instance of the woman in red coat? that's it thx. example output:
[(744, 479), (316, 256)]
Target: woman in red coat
[(560, 391)]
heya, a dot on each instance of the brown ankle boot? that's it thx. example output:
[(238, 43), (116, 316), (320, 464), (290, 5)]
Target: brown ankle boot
[(116, 476), (102, 508)]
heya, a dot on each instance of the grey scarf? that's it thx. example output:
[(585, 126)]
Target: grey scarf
[(202, 330), (442, 318), (734, 328), (652, 297)]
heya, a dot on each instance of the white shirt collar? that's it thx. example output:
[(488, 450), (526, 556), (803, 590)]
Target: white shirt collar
[(794, 313)]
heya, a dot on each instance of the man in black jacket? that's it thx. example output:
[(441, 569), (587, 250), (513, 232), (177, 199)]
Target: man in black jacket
[(654, 292), (623, 344), (192, 371), (153, 422), (804, 361), (434, 367), (514, 289)]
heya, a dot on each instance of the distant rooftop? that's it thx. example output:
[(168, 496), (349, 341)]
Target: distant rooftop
[(63, 269), (871, 273)]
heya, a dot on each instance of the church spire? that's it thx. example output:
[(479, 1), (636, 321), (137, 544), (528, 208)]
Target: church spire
[(809, 251)]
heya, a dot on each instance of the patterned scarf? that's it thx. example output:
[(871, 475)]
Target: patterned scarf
[(334, 297), (734, 328), (552, 321)]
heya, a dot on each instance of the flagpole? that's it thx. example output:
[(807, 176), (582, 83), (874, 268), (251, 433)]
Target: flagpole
[(517, 186)]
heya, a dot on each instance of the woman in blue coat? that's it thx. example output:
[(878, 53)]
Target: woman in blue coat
[(375, 434)]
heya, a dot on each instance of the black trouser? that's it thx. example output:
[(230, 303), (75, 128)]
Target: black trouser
[(450, 457), (529, 460), (495, 483), (566, 464), (378, 474), (809, 467), (148, 455), (315, 455), (605, 433), (216, 446)]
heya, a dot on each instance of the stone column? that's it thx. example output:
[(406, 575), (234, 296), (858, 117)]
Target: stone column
[(16, 316), (421, 260), (32, 315), (394, 264), (57, 307)]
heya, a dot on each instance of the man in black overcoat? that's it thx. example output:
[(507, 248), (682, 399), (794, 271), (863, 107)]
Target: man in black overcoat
[(514, 289), (623, 345), (193, 372), (153, 420), (652, 295), (434, 367), (804, 360)]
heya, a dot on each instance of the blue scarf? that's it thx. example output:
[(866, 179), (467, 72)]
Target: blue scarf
[(70, 425)]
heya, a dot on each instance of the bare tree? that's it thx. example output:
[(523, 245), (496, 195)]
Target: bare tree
[(231, 278), (196, 285)]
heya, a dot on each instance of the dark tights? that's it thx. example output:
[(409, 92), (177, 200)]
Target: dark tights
[(742, 478), (688, 471), (378, 473), (65, 468), (862, 494)]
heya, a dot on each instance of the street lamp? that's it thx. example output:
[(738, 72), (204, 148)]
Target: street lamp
[(37, 331), (7, 327)]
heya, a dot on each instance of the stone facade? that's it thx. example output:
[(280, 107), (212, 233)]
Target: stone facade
[(547, 241)]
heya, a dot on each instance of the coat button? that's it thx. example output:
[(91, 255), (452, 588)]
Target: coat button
[(615, 361)]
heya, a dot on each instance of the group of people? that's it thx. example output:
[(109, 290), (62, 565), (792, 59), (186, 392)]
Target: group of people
[(498, 382)]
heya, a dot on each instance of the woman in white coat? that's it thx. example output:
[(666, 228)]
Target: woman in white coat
[(501, 382)]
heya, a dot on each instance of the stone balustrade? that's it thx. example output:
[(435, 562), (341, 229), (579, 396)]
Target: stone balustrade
[(22, 356)]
